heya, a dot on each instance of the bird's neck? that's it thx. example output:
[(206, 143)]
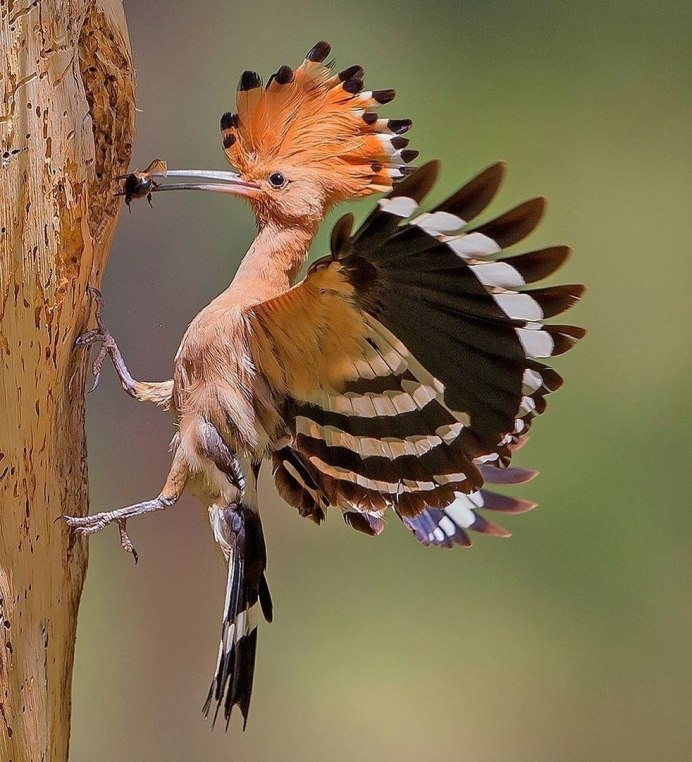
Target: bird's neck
[(272, 262)]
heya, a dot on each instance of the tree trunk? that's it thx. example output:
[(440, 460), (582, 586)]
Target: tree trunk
[(66, 128)]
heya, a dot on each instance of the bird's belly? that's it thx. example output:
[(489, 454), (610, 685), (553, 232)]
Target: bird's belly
[(210, 453), (211, 486)]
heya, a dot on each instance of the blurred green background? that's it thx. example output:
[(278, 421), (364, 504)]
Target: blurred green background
[(571, 641)]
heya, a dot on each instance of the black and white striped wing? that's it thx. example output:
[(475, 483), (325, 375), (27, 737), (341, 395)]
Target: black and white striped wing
[(448, 373)]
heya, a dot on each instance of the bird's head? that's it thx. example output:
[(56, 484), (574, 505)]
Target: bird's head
[(312, 138), (309, 139)]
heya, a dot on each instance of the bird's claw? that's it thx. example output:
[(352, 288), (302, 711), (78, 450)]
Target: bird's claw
[(87, 525), (100, 335), (125, 540)]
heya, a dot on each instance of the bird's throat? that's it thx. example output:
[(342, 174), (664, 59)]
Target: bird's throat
[(273, 262)]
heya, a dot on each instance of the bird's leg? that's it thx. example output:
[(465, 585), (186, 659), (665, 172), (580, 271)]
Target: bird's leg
[(173, 488), (158, 392)]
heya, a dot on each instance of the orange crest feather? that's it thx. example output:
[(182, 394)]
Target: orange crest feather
[(315, 119)]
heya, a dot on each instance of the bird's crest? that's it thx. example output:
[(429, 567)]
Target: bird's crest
[(317, 120)]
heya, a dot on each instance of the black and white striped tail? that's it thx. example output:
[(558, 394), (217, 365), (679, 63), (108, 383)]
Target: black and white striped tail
[(238, 530)]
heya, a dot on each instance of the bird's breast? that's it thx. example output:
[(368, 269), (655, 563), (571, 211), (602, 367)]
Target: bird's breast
[(216, 380)]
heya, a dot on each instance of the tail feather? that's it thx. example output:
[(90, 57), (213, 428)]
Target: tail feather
[(238, 530)]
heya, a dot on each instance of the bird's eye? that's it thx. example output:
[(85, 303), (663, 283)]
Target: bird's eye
[(277, 180)]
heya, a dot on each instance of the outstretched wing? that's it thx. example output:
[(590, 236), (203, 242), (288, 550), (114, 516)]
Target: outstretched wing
[(408, 363)]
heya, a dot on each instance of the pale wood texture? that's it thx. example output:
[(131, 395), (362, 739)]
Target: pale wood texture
[(66, 128)]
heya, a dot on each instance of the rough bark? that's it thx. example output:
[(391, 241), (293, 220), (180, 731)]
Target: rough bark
[(66, 128)]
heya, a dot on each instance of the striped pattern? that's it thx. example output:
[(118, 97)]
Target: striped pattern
[(238, 531), (312, 118), (441, 371), (448, 526)]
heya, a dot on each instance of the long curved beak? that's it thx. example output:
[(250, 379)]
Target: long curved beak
[(231, 182)]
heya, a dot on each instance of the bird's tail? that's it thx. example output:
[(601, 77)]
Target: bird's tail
[(238, 530)]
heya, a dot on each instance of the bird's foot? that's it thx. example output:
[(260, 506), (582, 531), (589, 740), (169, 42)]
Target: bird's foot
[(101, 335), (88, 525)]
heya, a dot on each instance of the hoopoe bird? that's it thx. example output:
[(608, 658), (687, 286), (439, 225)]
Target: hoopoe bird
[(400, 374)]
